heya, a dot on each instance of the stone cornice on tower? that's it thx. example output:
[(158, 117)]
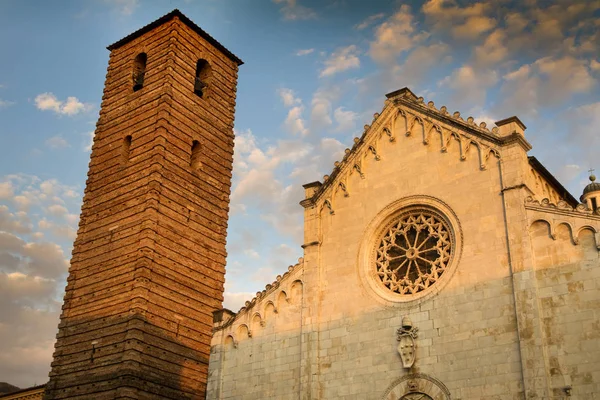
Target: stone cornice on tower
[(184, 19)]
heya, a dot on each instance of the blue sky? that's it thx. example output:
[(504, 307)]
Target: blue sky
[(314, 74)]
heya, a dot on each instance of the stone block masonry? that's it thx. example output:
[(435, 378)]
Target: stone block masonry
[(148, 263)]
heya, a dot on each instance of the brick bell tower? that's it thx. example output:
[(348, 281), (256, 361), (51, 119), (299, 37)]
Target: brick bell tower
[(148, 263)]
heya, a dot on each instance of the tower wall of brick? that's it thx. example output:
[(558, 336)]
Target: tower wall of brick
[(148, 263)]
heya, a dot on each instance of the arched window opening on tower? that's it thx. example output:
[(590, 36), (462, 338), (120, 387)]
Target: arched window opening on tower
[(594, 204), (203, 72), (125, 149), (139, 70), (195, 162)]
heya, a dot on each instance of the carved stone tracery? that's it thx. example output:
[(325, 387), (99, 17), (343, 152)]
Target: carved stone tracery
[(414, 252)]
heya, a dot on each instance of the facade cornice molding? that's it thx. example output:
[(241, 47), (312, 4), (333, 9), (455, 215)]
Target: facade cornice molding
[(222, 324), (561, 208), (516, 137), (308, 203), (455, 120)]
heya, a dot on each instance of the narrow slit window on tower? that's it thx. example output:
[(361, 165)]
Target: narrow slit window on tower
[(139, 70), (594, 204), (203, 72), (125, 148), (195, 162)]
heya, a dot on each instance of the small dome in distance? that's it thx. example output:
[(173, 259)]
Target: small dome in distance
[(591, 194), (593, 186)]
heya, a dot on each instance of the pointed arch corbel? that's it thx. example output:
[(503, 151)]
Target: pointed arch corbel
[(415, 119), (388, 132), (452, 135), (485, 154), (400, 123), (373, 151), (343, 188), (358, 169), (465, 146), (427, 137), (327, 204), (400, 118)]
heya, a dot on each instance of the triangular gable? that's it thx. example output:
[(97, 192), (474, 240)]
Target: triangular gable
[(434, 126)]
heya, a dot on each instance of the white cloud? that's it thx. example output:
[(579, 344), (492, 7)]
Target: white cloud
[(48, 186), (346, 119), (566, 74), (294, 122), (252, 253), (394, 36), (70, 193), (45, 224), (22, 202), (90, 142), (264, 275), (568, 172), (583, 134), (235, 300), (418, 63), (70, 107), (125, 7), (369, 21), (468, 22), (57, 210), (321, 106), (57, 142), (470, 85), (14, 222), (65, 231), (304, 52), (32, 273), (493, 49), (72, 219), (6, 190), (293, 11), (258, 188), (342, 59), (50, 195), (288, 97), (5, 103), (548, 81)]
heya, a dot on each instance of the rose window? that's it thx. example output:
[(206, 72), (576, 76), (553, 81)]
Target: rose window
[(414, 252)]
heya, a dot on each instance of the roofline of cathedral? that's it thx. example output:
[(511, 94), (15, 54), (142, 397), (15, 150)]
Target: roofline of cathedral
[(185, 20), (562, 191), (37, 387), (407, 97)]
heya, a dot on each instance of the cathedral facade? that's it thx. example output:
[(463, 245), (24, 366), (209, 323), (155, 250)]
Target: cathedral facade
[(440, 261)]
